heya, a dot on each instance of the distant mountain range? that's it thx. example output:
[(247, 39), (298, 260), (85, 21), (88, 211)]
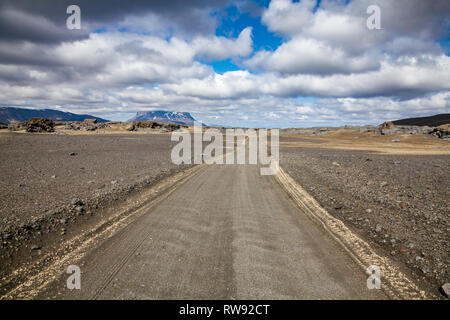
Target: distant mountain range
[(10, 114), (165, 116), (433, 121)]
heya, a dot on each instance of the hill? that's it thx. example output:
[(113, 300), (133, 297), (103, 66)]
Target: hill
[(433, 121), (10, 114)]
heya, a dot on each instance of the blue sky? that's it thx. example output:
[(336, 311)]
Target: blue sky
[(278, 63), (231, 21)]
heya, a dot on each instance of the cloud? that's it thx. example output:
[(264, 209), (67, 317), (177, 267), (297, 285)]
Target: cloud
[(148, 55), (220, 48), (309, 56), (399, 78), (287, 17), (122, 58), (342, 21), (19, 25), (333, 38), (46, 21)]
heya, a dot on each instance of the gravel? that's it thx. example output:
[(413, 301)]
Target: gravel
[(63, 175), (445, 289), (399, 203)]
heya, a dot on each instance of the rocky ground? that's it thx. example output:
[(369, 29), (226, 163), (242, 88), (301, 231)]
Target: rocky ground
[(385, 129), (399, 203), (48, 175), (41, 125)]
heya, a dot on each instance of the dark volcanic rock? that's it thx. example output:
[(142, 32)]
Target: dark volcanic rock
[(442, 132), (39, 125), (86, 125), (33, 125), (167, 127)]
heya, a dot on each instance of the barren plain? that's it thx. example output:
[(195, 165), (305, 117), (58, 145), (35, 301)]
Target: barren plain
[(391, 191)]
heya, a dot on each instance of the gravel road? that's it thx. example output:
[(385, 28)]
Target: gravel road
[(227, 233)]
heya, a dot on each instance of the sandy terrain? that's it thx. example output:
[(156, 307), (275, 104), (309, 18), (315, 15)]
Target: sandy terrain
[(349, 139)]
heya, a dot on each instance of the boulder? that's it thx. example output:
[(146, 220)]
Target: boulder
[(15, 126), (163, 127), (89, 124), (90, 121), (389, 128), (39, 125), (445, 289), (442, 132)]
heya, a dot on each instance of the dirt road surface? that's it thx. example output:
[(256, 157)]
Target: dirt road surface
[(226, 233)]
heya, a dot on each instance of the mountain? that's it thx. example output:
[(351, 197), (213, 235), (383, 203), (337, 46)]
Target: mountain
[(9, 114), (433, 121), (164, 116)]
